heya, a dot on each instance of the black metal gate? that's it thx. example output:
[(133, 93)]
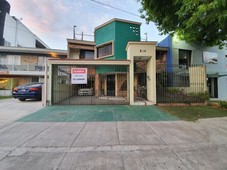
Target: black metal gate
[(105, 85), (177, 84)]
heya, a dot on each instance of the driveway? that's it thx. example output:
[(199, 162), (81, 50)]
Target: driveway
[(13, 109), (98, 113), (114, 145)]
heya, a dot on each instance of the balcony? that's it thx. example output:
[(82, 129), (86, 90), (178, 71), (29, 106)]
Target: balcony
[(22, 70)]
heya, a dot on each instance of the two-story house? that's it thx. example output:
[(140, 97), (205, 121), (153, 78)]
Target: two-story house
[(117, 68), (215, 59), (16, 69)]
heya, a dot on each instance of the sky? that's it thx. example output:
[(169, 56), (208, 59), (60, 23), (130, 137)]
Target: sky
[(53, 20)]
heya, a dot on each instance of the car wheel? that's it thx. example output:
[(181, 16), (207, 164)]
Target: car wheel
[(22, 99)]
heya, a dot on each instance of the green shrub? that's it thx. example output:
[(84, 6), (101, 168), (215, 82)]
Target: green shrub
[(201, 96), (173, 90), (223, 104)]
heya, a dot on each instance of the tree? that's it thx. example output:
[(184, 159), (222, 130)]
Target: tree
[(201, 22)]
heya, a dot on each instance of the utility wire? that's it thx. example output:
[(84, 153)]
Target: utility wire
[(101, 3)]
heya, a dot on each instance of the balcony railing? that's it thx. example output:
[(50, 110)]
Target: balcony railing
[(22, 68)]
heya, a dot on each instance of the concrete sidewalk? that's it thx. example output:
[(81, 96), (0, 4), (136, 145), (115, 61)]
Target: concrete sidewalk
[(108, 145), (114, 145)]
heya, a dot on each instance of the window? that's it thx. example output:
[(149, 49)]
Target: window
[(34, 79), (5, 84), (105, 50), (3, 60), (41, 61), (184, 58), (63, 74), (86, 55)]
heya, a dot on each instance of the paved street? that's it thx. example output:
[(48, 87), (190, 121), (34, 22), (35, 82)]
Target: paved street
[(112, 145)]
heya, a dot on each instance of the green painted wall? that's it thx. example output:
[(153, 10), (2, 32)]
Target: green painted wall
[(120, 33), (124, 32), (105, 34), (111, 69)]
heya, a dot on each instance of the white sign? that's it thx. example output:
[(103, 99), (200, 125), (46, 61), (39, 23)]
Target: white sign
[(210, 58), (79, 75)]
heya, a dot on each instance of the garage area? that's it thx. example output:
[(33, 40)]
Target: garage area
[(89, 85)]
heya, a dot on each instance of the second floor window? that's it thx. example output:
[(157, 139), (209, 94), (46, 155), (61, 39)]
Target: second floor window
[(86, 55), (105, 50), (184, 58), (3, 60)]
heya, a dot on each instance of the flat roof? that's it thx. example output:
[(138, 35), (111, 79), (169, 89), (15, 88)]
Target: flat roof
[(74, 41), (117, 20), (140, 43), (87, 62), (33, 51)]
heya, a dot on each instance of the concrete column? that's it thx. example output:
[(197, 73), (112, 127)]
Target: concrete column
[(116, 85), (44, 88), (131, 80), (49, 86), (151, 80), (128, 85)]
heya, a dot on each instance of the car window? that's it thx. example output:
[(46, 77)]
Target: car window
[(33, 84)]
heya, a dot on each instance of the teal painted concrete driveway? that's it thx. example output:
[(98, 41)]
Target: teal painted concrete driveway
[(98, 114)]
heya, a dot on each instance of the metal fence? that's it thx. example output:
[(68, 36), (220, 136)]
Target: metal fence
[(177, 84), (105, 85)]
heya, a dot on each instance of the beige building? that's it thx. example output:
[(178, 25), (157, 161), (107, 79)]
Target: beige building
[(96, 91)]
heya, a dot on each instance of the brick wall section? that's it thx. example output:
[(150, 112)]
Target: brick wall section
[(121, 78), (97, 85), (32, 60), (24, 80)]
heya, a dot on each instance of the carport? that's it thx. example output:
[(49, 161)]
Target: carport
[(106, 82)]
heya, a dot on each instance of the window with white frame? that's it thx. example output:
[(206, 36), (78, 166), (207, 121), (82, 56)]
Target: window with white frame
[(105, 50)]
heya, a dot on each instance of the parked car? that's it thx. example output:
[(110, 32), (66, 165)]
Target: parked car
[(28, 91)]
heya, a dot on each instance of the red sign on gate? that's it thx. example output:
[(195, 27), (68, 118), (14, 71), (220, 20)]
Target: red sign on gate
[(79, 75)]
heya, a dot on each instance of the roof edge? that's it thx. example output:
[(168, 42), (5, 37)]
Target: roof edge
[(80, 42), (118, 20)]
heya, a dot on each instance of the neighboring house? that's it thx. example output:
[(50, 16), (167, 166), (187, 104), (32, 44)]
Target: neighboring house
[(13, 33), (118, 68), (215, 59)]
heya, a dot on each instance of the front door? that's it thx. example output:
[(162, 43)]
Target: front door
[(111, 85), (213, 87)]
